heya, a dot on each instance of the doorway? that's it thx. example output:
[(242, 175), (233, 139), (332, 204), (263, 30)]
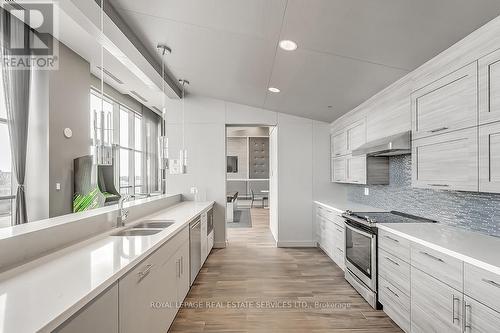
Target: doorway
[(248, 177)]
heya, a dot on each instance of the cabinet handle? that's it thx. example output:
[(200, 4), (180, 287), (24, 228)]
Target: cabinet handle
[(177, 268), (431, 256), (438, 129), (339, 230), (468, 325), (392, 261), (145, 272), (453, 308), (491, 282), (439, 185), (392, 292), (392, 239), (182, 266)]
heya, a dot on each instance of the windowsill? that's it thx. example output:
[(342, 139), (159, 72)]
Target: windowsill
[(35, 226)]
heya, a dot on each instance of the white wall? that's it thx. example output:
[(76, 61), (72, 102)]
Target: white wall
[(205, 140)]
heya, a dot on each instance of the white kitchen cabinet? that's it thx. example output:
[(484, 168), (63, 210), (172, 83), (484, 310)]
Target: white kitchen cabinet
[(330, 234), (489, 158), (447, 161), (356, 169), (100, 316), (479, 318), (204, 250), (183, 278), (446, 105), (435, 307), (339, 170), (338, 144), (150, 293), (355, 136), (489, 88)]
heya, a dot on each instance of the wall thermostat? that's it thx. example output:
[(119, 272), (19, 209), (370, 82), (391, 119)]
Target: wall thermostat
[(68, 133)]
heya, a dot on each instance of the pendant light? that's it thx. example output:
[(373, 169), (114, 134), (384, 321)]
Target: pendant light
[(183, 152), (163, 139)]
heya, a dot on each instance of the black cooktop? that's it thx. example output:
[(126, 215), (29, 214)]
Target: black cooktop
[(387, 217)]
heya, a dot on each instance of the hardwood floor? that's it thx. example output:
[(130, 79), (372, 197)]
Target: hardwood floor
[(251, 286)]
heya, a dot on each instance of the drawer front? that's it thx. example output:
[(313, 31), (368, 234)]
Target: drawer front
[(447, 104), (441, 266), (398, 246), (447, 161), (396, 304), (394, 270), (482, 285), (479, 318)]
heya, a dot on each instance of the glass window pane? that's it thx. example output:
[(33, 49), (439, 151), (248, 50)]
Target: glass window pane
[(5, 162), (124, 126), (139, 181), (5, 213), (138, 132), (124, 169)]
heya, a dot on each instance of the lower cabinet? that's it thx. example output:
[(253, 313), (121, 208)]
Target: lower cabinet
[(149, 294), (435, 307), (479, 318), (396, 303), (210, 241), (330, 234), (100, 316)]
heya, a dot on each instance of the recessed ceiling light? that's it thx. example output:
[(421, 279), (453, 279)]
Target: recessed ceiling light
[(288, 45), (274, 90)]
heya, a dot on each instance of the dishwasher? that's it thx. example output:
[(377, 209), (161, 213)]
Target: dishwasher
[(195, 248)]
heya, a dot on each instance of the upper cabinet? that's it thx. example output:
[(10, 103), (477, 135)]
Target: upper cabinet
[(489, 158), (447, 161), (355, 136), (339, 144), (447, 104), (489, 88)]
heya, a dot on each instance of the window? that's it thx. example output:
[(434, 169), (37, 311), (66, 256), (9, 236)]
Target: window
[(6, 197), (134, 170)]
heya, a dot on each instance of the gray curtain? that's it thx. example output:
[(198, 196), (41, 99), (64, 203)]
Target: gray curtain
[(16, 84)]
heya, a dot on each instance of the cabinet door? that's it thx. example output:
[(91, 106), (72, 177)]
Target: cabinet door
[(154, 281), (182, 256), (446, 161), (100, 316), (479, 318), (489, 88), (339, 172), (435, 307), (339, 144), (355, 136), (489, 158), (356, 169), (447, 104)]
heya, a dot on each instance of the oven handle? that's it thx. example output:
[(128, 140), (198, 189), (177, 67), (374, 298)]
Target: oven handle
[(359, 231)]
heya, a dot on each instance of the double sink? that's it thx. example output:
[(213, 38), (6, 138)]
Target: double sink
[(145, 228)]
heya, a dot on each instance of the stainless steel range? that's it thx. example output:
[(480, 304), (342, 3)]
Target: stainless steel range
[(361, 248)]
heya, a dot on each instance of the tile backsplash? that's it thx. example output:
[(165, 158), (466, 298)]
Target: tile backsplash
[(474, 211)]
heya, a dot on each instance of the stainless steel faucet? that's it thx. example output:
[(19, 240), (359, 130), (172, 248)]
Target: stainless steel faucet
[(122, 213)]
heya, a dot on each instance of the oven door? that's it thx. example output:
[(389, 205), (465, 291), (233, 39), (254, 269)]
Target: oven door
[(361, 255)]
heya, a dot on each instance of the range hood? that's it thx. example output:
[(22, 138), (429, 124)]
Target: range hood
[(398, 144)]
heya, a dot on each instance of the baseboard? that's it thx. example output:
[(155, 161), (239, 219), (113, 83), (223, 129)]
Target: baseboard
[(219, 245), (296, 244)]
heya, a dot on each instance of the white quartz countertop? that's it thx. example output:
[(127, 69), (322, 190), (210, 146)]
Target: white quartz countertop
[(42, 294), (471, 247)]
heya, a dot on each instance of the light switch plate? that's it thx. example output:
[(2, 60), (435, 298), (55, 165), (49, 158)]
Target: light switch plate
[(367, 191), (58, 186)]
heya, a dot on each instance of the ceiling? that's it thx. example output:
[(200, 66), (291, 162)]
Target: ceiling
[(348, 49)]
